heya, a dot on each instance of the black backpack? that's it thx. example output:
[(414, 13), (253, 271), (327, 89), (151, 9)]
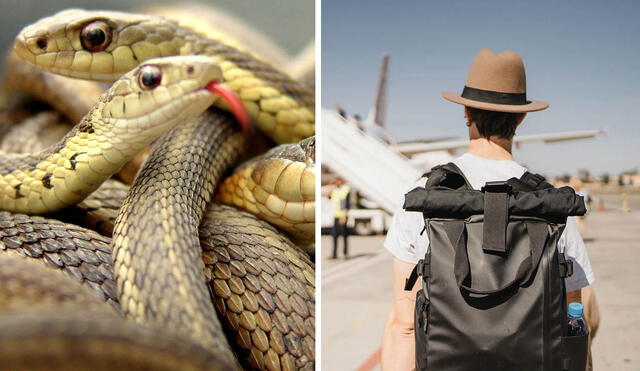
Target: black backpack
[(493, 294)]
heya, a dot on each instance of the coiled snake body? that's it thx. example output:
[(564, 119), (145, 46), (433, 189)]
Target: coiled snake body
[(166, 203)]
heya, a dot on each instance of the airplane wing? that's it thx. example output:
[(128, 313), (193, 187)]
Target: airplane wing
[(409, 149)]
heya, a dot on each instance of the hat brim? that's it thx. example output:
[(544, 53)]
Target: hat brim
[(529, 107)]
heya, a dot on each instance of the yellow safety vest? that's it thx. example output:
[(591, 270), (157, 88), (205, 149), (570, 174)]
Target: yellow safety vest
[(338, 195)]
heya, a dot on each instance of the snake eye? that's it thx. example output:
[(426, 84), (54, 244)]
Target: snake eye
[(150, 77), (96, 36), (42, 43), (310, 148)]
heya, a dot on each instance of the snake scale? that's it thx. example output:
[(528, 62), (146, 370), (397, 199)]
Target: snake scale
[(266, 290), (160, 218), (50, 321), (263, 285)]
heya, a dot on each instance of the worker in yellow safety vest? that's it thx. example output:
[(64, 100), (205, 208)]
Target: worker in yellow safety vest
[(340, 200)]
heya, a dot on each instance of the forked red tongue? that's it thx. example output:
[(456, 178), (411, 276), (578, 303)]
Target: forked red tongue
[(237, 107)]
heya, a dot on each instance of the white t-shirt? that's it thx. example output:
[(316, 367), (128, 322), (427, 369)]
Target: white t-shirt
[(406, 243)]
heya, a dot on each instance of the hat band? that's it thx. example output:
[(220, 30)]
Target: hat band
[(496, 97)]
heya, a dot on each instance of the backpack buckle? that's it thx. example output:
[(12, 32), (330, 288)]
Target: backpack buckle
[(566, 266), (533, 179), (422, 269)]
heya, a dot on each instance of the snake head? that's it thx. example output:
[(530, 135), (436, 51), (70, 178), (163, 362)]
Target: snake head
[(308, 145), (159, 94), (95, 45), (103, 45)]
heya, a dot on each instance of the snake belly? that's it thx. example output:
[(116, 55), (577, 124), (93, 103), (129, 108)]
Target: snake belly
[(279, 187)]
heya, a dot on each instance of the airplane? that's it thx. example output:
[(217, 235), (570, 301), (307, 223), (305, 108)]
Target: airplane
[(416, 147), (374, 124)]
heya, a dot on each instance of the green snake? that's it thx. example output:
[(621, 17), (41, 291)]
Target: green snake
[(164, 156)]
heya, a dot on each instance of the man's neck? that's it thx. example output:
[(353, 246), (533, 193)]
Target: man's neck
[(491, 149)]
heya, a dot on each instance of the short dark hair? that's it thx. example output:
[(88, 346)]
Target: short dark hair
[(492, 123)]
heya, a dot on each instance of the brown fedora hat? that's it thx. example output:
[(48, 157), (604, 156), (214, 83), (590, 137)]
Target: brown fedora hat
[(496, 82)]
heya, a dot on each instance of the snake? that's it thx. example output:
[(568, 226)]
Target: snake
[(51, 40), (33, 134), (50, 321), (263, 284), (283, 325), (277, 186), (174, 89), (171, 212), (92, 42), (102, 45), (26, 86), (155, 175), (218, 24), (109, 136), (55, 90)]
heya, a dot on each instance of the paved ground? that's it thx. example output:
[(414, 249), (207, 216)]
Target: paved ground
[(356, 293)]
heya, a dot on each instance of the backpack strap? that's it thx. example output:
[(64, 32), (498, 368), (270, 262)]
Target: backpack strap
[(566, 266), (496, 207), (538, 235), (448, 175), (496, 216), (422, 269)]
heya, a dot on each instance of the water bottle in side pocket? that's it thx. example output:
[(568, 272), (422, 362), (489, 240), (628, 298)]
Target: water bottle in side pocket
[(577, 326)]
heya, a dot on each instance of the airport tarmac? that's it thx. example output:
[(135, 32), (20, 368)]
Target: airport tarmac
[(356, 293)]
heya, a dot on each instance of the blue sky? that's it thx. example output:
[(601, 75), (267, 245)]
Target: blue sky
[(583, 57)]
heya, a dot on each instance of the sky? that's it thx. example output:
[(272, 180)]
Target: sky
[(583, 57)]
